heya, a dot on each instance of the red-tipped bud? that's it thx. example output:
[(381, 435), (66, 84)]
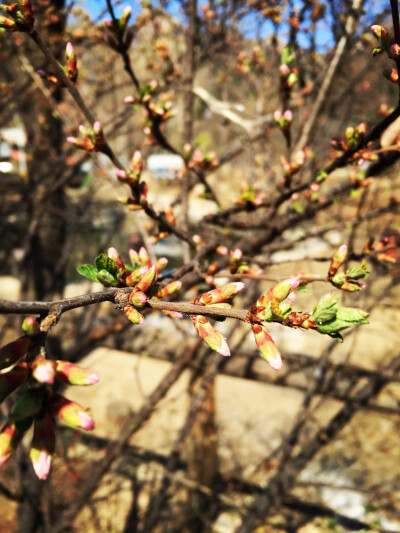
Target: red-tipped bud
[(27, 11), (284, 288), (43, 370), (147, 280), (7, 24), (394, 51), (137, 299), (161, 264), (137, 164), (9, 440), (30, 326), (134, 258), (379, 31), (338, 259), (43, 444), (75, 375), (172, 314), (169, 289), (133, 315), (71, 413), (169, 213), (114, 255), (135, 276), (266, 346), (198, 239), (215, 340), (222, 250), (71, 66), (144, 257), (221, 294)]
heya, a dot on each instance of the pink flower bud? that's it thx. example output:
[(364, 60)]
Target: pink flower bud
[(338, 259), (144, 256), (129, 100), (121, 174), (215, 340), (266, 346), (284, 71), (69, 51), (137, 299), (30, 326), (75, 375), (221, 294), (147, 280), (97, 128), (43, 444), (222, 250), (133, 315), (169, 289), (161, 264), (71, 413), (114, 255)]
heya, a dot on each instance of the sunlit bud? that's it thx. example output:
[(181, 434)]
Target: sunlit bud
[(69, 51), (7, 24), (129, 100), (391, 75), (126, 14), (13, 379), (144, 256), (26, 8), (266, 346), (137, 162), (161, 264), (43, 370), (284, 71), (352, 286), (277, 115), (133, 315), (338, 259), (14, 351), (9, 440), (121, 174), (82, 130), (75, 375), (379, 31), (43, 444), (134, 258), (147, 280), (198, 239), (169, 289), (221, 293), (215, 340), (288, 115), (169, 213), (284, 288), (298, 159), (114, 255), (394, 51), (338, 144), (137, 299), (212, 268), (71, 413), (362, 127), (71, 66), (135, 276), (222, 250), (172, 314), (295, 196), (30, 326), (314, 187)]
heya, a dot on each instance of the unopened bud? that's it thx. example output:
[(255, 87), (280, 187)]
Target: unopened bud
[(133, 315), (266, 346), (137, 299), (71, 413), (75, 375), (30, 326)]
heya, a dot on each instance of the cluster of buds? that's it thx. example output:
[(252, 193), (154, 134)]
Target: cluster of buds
[(158, 108), (349, 280), (250, 194), (353, 138), (209, 14), (70, 69), (117, 33), (18, 16), (38, 405), (288, 77), (270, 12), (163, 232), (195, 159), (131, 176), (245, 64), (290, 168), (386, 250), (92, 138), (237, 265), (216, 298), (386, 43), (283, 120)]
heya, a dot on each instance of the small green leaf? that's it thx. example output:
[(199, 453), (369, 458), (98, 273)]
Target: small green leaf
[(103, 262), (106, 279), (321, 176), (352, 314), (358, 272), (326, 309), (89, 271)]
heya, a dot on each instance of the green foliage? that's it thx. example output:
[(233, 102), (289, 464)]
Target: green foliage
[(105, 272)]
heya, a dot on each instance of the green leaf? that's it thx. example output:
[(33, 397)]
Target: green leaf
[(103, 262), (358, 272), (326, 309), (321, 176), (287, 55), (106, 279), (89, 271), (352, 315)]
